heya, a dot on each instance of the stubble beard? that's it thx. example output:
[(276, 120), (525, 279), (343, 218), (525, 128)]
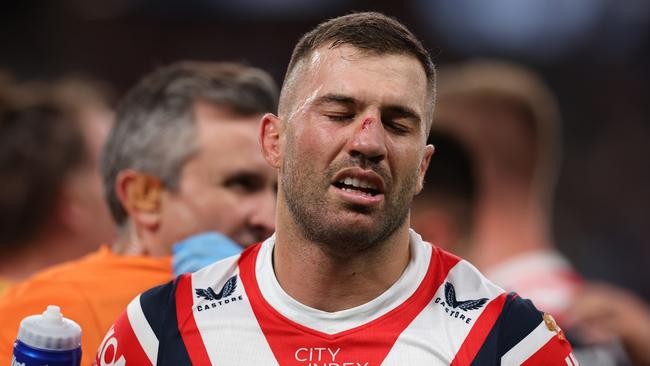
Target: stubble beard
[(305, 192)]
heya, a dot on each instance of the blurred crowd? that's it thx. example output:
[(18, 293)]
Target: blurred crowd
[(113, 193)]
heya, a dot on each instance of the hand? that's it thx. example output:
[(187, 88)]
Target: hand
[(200, 250), (602, 313)]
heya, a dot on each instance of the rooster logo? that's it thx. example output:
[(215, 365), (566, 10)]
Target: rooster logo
[(450, 296), (227, 290)]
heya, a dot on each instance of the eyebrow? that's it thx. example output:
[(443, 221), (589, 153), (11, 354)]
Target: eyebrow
[(244, 172), (404, 112), (336, 98)]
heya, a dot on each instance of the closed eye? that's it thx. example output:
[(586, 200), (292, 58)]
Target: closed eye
[(397, 128), (340, 117), (400, 120), (338, 108), (245, 182)]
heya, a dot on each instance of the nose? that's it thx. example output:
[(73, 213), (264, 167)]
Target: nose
[(262, 218), (368, 138)]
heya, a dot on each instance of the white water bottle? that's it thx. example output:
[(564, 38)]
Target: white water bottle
[(47, 339)]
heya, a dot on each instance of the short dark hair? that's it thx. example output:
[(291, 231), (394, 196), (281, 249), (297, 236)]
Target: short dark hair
[(154, 131), (369, 31), (41, 143)]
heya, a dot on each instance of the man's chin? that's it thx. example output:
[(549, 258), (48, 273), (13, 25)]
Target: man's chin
[(346, 242), (351, 232), (359, 209)]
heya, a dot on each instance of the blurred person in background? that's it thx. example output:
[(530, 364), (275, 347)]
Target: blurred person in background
[(604, 314), (51, 197), (182, 158), (510, 122), (443, 212)]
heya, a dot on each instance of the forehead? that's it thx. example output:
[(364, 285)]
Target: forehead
[(347, 70), (227, 140)]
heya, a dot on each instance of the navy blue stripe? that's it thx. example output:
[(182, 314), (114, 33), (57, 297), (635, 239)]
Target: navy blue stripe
[(159, 307), (523, 318), (487, 355), (517, 320), (151, 301)]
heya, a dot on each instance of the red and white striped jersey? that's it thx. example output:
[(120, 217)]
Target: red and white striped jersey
[(441, 311)]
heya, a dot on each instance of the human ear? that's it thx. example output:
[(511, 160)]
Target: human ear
[(140, 195), (424, 165), (270, 139)]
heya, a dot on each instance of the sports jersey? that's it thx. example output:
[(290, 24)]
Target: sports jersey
[(92, 291), (549, 279), (441, 311)]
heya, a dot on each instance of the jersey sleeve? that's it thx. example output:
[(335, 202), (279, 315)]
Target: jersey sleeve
[(134, 338), (130, 341), (147, 332), (529, 337)]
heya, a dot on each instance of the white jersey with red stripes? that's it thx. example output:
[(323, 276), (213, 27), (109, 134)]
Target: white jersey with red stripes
[(441, 311)]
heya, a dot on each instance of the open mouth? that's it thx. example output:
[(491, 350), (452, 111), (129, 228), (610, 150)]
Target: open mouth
[(355, 185)]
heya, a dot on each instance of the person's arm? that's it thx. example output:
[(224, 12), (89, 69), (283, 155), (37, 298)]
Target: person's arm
[(528, 336), (130, 341), (603, 313), (147, 332)]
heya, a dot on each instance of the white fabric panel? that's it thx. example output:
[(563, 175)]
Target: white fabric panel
[(332, 323), (142, 330), (527, 346), (239, 339), (434, 337)]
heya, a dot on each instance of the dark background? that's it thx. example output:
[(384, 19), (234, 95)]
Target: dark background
[(595, 54)]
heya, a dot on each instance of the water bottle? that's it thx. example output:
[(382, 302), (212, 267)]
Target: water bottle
[(47, 339)]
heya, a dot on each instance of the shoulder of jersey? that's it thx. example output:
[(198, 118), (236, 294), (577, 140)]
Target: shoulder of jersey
[(159, 313), (507, 327)]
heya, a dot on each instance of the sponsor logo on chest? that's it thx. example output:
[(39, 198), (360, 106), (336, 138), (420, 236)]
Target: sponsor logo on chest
[(217, 299), (458, 309), (323, 356)]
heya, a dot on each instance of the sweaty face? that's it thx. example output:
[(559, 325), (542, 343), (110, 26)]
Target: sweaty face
[(354, 152), (226, 187)]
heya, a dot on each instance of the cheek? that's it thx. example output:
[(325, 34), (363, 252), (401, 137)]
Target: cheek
[(214, 204), (316, 138), (222, 211), (405, 159), (399, 152), (179, 212), (194, 207)]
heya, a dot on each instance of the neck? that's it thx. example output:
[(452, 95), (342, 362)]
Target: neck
[(508, 225), (322, 280), (130, 240)]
